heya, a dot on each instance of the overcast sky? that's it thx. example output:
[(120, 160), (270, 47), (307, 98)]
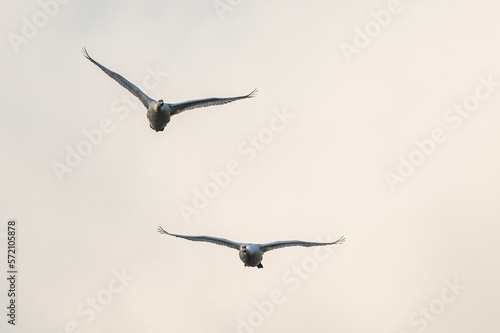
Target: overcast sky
[(376, 120)]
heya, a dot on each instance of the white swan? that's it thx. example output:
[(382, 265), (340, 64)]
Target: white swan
[(250, 254), (159, 112)]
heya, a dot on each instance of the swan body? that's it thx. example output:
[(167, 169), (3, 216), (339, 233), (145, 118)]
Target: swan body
[(251, 254), (159, 112)]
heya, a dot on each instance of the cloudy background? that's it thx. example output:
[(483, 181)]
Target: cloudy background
[(420, 255)]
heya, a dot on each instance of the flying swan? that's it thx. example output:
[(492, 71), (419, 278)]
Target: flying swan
[(250, 254), (159, 112)]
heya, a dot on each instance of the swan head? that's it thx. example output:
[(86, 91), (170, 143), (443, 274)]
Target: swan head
[(159, 104), (248, 249), (245, 251)]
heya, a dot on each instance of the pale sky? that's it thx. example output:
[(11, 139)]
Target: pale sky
[(375, 120)]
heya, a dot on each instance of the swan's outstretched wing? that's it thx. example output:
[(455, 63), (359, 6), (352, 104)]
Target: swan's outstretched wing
[(215, 240), (279, 244), (200, 103), (145, 99)]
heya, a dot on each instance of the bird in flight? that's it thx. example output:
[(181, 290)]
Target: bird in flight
[(250, 254), (159, 112)]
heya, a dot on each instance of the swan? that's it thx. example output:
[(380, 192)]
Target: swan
[(250, 254), (159, 112)]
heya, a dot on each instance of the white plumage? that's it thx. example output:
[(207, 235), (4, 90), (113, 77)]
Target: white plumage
[(159, 112), (250, 254)]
